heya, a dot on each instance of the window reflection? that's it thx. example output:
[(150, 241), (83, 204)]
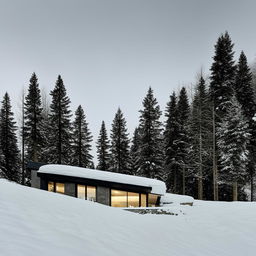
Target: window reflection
[(51, 186), (143, 200), (81, 191), (91, 193), (118, 198), (86, 192), (133, 199), (152, 200), (60, 188)]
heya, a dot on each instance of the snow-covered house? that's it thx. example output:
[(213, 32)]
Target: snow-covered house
[(109, 188)]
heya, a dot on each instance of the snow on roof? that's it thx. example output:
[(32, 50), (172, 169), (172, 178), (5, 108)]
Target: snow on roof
[(158, 187)]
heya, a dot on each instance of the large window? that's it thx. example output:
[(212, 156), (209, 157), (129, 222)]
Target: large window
[(51, 186), (86, 192), (133, 199), (143, 200), (118, 198), (152, 200), (124, 199), (56, 187)]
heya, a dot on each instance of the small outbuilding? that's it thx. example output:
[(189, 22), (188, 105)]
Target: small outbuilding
[(109, 188)]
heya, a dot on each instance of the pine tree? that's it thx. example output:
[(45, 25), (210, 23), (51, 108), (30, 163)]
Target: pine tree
[(233, 134), (45, 128), (151, 148), (103, 148), (223, 72), (82, 139), (171, 134), (200, 133), (33, 120), (245, 96), (10, 160), (134, 152), (60, 125), (183, 139), (120, 160)]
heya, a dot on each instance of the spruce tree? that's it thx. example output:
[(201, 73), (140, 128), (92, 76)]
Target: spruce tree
[(233, 134), (33, 120), (151, 144), (60, 125), (245, 96), (45, 128), (223, 72), (10, 159), (103, 148), (200, 129), (81, 143), (183, 138), (120, 159), (134, 152), (171, 135)]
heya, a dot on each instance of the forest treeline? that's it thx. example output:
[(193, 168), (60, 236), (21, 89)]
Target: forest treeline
[(206, 147)]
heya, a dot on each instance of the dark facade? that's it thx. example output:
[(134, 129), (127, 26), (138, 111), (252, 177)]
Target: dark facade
[(101, 191)]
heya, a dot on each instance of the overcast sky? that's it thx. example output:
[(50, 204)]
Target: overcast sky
[(109, 52)]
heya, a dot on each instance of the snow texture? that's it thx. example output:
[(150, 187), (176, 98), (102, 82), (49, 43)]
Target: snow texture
[(158, 187), (169, 198), (37, 222)]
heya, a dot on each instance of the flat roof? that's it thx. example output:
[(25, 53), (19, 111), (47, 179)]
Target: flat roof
[(157, 186)]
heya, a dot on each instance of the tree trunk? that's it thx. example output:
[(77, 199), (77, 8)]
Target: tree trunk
[(23, 143), (235, 191), (183, 180), (252, 189), (214, 164), (200, 178)]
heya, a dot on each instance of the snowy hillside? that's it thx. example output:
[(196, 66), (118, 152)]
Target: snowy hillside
[(35, 222)]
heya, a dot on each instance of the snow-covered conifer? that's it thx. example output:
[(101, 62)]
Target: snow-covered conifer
[(81, 140), (120, 160)]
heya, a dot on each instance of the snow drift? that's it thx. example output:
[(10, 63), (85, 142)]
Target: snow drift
[(36, 222)]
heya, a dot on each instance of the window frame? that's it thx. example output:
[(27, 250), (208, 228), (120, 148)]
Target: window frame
[(85, 185)]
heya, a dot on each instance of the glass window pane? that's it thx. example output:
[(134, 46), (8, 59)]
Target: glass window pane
[(60, 188), (143, 200), (118, 198), (133, 199), (152, 200), (51, 186), (81, 191), (91, 193)]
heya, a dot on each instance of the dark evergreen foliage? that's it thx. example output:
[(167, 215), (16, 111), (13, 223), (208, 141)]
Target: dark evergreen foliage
[(135, 152), (223, 73), (151, 144), (171, 136), (81, 140), (103, 148), (245, 96), (233, 134), (200, 133), (59, 148), (33, 121), (10, 158), (120, 160)]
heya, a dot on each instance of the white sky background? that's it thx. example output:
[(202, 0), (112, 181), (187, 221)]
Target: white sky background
[(110, 51)]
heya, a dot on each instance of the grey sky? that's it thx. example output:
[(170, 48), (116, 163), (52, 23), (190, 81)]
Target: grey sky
[(109, 52)]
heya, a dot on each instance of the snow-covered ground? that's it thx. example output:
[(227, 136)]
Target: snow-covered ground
[(35, 222)]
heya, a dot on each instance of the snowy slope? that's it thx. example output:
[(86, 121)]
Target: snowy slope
[(35, 222)]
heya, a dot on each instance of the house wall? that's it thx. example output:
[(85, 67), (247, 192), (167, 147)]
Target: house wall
[(35, 180), (103, 195), (70, 189)]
